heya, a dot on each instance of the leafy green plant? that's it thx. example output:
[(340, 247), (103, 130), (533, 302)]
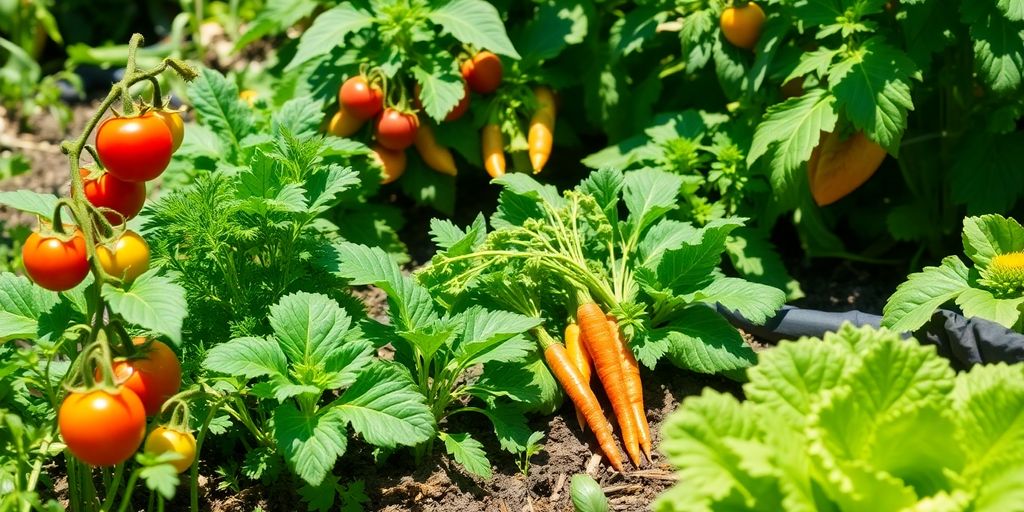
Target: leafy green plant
[(858, 420), (318, 377), (442, 351), (993, 288), (587, 495), (656, 275), (708, 152)]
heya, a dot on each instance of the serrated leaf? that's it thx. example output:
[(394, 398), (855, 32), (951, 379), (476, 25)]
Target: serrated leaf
[(975, 302), (922, 293), (791, 377), (556, 25), (310, 443), (386, 408), (690, 266), (328, 31), (299, 117), (275, 17), (791, 130), (309, 327), (998, 46), (21, 305), (440, 90), (468, 452), (705, 342), (648, 195), (475, 22), (152, 302), (218, 106), (756, 302), (987, 236), (872, 85), (249, 357), (989, 400), (410, 304)]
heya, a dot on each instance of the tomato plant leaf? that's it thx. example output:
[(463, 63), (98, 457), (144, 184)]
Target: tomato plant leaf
[(872, 85), (998, 46), (329, 30), (21, 305), (218, 106), (310, 442), (475, 22), (410, 304), (468, 452), (817, 62), (385, 407), (35, 203), (441, 89), (648, 195), (922, 293), (248, 357), (791, 130), (299, 117), (152, 302), (309, 327), (704, 342), (454, 240)]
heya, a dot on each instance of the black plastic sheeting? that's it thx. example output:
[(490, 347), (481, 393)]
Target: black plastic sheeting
[(964, 341)]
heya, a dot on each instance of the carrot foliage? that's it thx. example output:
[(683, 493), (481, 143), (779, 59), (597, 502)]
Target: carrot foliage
[(613, 238)]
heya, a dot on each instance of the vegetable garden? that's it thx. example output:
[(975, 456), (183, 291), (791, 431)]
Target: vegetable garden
[(440, 255)]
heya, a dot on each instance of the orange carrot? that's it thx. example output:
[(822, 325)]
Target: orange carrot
[(582, 397), (580, 358), (634, 388), (600, 342)]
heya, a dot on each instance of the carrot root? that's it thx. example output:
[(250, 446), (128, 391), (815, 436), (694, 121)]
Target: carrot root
[(634, 388)]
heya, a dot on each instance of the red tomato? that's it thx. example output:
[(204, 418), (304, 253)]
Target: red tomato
[(154, 377), (457, 111), (174, 123), (396, 130), (124, 197), (55, 264), (135, 148), (482, 72), (102, 428), (361, 98), (393, 163)]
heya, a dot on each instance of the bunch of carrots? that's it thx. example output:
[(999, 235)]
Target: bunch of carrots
[(596, 342)]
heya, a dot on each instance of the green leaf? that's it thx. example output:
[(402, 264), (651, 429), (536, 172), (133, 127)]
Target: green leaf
[(791, 130), (386, 408), (690, 267), (299, 117), (468, 452), (320, 498), (555, 25), (529, 382), (872, 85), (493, 336), (922, 293), (754, 256), (328, 31), (21, 305), (310, 443), (440, 90), (989, 400), (987, 236), (28, 201), (790, 378), (981, 303), (248, 357), (219, 108), (998, 46), (1013, 9), (510, 427), (704, 342), (344, 364), (324, 187), (756, 302), (624, 154), (309, 327), (817, 62), (162, 478), (411, 306), (649, 194), (474, 22), (152, 302), (454, 240)]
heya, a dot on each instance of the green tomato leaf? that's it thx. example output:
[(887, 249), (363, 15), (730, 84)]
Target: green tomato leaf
[(386, 407), (309, 327), (328, 31), (28, 201), (474, 22), (310, 443), (791, 130), (649, 194), (152, 302), (468, 452), (998, 44), (21, 306), (440, 90), (248, 357), (219, 108)]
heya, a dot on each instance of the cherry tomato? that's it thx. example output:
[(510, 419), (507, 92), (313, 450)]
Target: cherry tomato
[(742, 25), (106, 191), (457, 111), (344, 123), (127, 258), (135, 148), (392, 161), (396, 130), (102, 428), (163, 440), (363, 99), (174, 124), (55, 264), (482, 72), (154, 377)]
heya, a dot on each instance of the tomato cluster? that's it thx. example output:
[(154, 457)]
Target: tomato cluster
[(361, 98)]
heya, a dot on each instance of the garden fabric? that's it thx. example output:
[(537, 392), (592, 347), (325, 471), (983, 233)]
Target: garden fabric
[(964, 341)]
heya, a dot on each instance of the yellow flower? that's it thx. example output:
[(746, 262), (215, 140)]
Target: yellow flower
[(1005, 274)]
